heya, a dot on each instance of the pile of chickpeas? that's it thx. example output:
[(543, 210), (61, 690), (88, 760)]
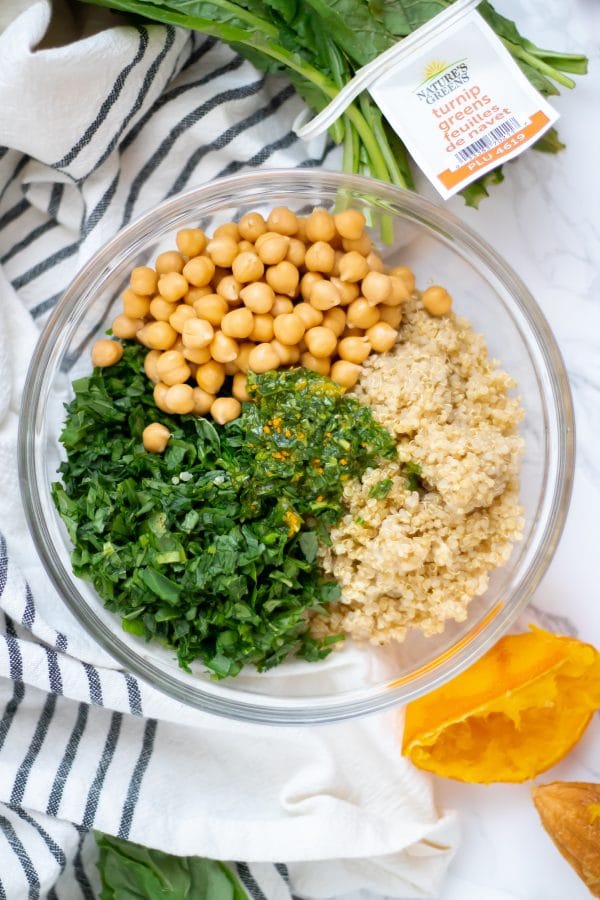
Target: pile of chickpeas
[(260, 294)]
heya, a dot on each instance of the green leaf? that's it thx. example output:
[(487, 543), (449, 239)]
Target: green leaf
[(129, 871), (381, 489), (549, 142), (475, 192), (160, 585), (309, 543)]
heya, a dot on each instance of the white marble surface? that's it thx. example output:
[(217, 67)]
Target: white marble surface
[(544, 220)]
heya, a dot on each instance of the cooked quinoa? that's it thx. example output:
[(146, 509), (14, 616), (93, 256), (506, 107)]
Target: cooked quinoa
[(417, 558)]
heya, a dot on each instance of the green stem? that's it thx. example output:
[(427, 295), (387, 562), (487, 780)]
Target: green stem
[(373, 117), (538, 64)]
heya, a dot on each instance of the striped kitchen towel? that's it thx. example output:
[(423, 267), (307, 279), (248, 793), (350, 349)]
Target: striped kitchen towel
[(100, 120)]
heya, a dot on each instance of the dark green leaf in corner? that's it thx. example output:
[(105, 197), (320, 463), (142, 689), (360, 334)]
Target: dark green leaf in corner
[(131, 872)]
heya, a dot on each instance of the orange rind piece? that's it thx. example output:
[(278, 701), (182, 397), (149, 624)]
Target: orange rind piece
[(513, 714)]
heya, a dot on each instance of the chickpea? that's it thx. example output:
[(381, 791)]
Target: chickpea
[(399, 292), (238, 323), (251, 226), (436, 300), (376, 287), (180, 398), (282, 220), (197, 356), (350, 224), (321, 365), (202, 401), (324, 295), (382, 337), (338, 255), (320, 226), (160, 397), (287, 355), (281, 305), (309, 315), (301, 233), (126, 328), (289, 329), (190, 241), (345, 373), (199, 270), (375, 262), (222, 250), (155, 438), (172, 286), (353, 267), (352, 332), (211, 307), (197, 333), (231, 367), (320, 257), (150, 369), (143, 280), (225, 409), (240, 387), (157, 336), (362, 244), (296, 252), (272, 247), (227, 230), (335, 320), (178, 319), (258, 297), (407, 276), (134, 305), (160, 309), (320, 341), (354, 349), (195, 293), (170, 261), (391, 314), (172, 367), (361, 314), (106, 353), (223, 348), (348, 290), (246, 247), (262, 330), (229, 288), (210, 376), (247, 267), (307, 282), (244, 355), (283, 278), (220, 274), (262, 358)]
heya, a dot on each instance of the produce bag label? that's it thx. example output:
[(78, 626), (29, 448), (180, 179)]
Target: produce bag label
[(461, 104)]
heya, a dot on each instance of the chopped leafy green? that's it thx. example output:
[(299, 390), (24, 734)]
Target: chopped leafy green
[(413, 473), (129, 871), (381, 489), (320, 44), (211, 547)]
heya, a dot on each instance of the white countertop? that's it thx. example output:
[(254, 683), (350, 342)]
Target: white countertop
[(544, 220)]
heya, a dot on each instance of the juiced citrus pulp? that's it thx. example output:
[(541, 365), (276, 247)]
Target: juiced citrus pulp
[(513, 714)]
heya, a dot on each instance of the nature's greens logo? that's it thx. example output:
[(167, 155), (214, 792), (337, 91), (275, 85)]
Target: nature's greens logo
[(441, 79)]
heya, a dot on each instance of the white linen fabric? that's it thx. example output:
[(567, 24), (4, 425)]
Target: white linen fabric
[(100, 120)]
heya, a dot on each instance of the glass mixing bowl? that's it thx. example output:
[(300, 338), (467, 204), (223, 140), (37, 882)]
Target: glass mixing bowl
[(441, 250)]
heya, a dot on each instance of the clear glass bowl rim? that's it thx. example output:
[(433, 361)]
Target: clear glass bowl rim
[(271, 710)]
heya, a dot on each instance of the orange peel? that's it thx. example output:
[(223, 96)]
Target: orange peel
[(513, 714)]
